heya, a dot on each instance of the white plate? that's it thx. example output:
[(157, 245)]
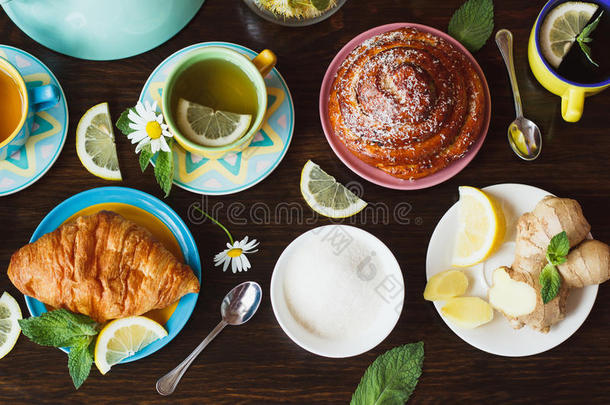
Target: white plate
[(497, 337), (386, 281)]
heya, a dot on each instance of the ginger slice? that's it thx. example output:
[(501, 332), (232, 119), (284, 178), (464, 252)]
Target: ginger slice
[(511, 297), (468, 312), (445, 285)]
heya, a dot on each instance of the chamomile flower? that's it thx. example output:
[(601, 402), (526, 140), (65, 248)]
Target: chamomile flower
[(235, 254), (148, 127), (236, 251)]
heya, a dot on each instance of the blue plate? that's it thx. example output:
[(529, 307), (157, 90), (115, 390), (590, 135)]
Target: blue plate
[(154, 206)]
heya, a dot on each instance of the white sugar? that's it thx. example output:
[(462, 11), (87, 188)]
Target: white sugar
[(329, 289)]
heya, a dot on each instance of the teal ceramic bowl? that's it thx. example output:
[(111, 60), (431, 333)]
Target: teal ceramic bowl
[(146, 202), (101, 29)]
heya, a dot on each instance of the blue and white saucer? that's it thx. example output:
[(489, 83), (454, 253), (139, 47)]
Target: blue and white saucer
[(236, 171), (28, 164)]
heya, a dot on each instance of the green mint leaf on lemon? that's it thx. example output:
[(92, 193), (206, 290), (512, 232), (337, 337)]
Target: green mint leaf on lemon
[(123, 122), (145, 156), (583, 38), (80, 360), (164, 169), (558, 249), (320, 5), (59, 328), (550, 282), (392, 377), (589, 29), (473, 23)]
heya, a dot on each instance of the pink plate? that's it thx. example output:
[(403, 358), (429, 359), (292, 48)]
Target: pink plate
[(369, 172)]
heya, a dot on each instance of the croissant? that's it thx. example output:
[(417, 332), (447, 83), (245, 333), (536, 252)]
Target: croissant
[(103, 266)]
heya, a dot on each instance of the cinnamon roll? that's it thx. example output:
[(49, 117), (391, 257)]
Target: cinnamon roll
[(407, 102)]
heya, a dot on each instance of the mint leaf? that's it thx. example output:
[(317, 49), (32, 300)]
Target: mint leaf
[(123, 122), (145, 156), (550, 282), (392, 377), (583, 38), (80, 360), (473, 23), (320, 4), (586, 49), (164, 169), (589, 29), (58, 328), (558, 249)]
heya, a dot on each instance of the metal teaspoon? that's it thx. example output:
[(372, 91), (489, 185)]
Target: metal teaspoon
[(523, 134), (238, 306)]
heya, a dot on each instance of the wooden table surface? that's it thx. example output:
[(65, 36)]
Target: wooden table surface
[(257, 363)]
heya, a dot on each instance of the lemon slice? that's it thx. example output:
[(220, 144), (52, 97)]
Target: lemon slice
[(480, 227), (95, 143), (122, 338), (208, 127), (325, 195), (10, 313), (561, 27)]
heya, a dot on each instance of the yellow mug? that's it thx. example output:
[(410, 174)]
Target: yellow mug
[(572, 94)]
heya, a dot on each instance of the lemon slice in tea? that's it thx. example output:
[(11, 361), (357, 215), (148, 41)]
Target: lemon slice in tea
[(561, 27), (95, 143), (10, 313), (208, 127), (325, 195)]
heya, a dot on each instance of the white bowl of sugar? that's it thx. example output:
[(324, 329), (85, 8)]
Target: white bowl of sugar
[(337, 291)]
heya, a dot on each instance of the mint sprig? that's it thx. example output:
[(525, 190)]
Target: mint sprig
[(62, 328), (584, 38), (556, 254), (473, 23), (392, 377)]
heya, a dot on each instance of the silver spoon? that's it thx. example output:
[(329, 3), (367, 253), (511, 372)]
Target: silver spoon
[(523, 134), (238, 306)]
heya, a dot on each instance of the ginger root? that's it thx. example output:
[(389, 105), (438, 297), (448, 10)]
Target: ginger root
[(517, 295), (588, 263)]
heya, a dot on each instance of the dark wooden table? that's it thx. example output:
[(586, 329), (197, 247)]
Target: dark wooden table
[(258, 363)]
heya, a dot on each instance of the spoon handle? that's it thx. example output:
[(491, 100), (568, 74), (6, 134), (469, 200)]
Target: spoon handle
[(167, 384), (504, 40)]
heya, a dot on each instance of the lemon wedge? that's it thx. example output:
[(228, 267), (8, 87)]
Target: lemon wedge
[(480, 227), (95, 143), (325, 195), (10, 313), (124, 337)]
